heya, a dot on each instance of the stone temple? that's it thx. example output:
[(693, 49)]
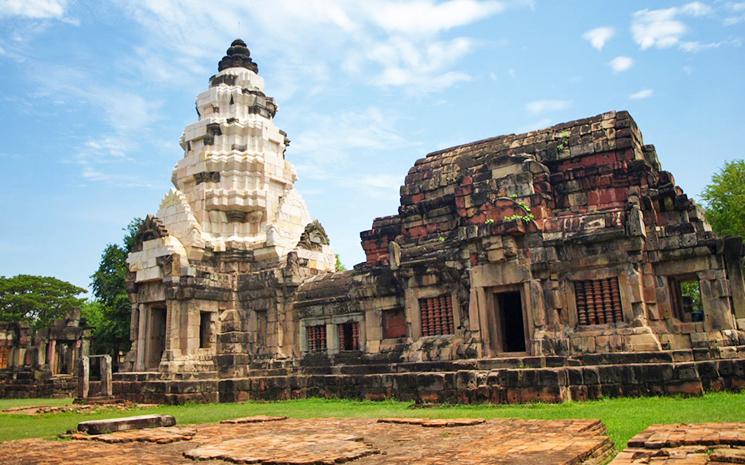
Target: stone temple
[(559, 264)]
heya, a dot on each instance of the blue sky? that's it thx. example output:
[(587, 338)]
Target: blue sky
[(95, 96)]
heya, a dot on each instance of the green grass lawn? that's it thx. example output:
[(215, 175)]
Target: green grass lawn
[(623, 417)]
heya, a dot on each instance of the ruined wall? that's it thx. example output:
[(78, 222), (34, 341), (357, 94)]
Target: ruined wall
[(41, 363), (577, 222)]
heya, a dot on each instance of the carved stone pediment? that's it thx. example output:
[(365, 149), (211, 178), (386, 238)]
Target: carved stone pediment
[(314, 237), (151, 228)]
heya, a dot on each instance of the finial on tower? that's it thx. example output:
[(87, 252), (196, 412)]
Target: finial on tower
[(238, 56)]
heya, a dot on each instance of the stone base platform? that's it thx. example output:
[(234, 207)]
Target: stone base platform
[(330, 441), (501, 380), (683, 444)]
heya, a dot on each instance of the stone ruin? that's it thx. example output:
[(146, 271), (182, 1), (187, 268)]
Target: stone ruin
[(558, 264), (42, 363)]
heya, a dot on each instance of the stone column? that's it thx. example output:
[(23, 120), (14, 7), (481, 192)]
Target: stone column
[(52, 356), (106, 383), (141, 335), (83, 378)]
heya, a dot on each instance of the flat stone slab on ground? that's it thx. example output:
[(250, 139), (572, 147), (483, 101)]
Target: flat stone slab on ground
[(156, 435), (126, 423), (686, 444), (287, 449), (502, 442), (252, 419)]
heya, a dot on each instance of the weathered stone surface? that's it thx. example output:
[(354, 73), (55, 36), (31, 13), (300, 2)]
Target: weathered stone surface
[(287, 449), (156, 435), (42, 363), (686, 444), (126, 423), (319, 441)]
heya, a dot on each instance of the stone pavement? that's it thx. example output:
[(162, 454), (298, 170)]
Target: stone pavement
[(329, 441), (686, 444)]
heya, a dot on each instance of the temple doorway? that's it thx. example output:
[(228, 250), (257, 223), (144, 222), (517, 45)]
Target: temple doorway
[(157, 337), (509, 309)]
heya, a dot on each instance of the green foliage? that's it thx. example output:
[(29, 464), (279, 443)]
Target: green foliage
[(109, 314), (692, 289), (339, 265), (725, 200), (526, 217), (37, 300)]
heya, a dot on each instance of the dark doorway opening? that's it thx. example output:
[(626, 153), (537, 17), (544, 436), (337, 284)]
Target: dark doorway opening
[(157, 337), (205, 330), (511, 321)]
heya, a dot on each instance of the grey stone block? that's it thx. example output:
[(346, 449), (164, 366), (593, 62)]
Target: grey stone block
[(126, 423)]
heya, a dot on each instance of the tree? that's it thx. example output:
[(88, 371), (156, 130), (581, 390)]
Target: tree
[(110, 313), (725, 200), (37, 300), (339, 265)]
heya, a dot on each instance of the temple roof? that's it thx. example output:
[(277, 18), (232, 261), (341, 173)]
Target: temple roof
[(238, 56)]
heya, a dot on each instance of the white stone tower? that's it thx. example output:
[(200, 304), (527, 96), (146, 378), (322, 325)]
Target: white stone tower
[(234, 190)]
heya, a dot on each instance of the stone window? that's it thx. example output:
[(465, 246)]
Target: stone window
[(598, 301), (205, 330), (349, 335), (394, 323), (207, 176), (316, 338), (685, 294), (436, 315), (236, 216)]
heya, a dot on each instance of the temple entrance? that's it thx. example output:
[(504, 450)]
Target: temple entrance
[(64, 352), (156, 342), (509, 308)]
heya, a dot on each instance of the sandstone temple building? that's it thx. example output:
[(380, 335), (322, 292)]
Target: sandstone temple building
[(561, 263)]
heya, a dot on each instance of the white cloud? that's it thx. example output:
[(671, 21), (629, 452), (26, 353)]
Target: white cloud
[(621, 63), (657, 28), (737, 10), (642, 94), (352, 35), (330, 141), (428, 17), (126, 114), (695, 47), (663, 28), (537, 107), (33, 9), (599, 36), (696, 9), (422, 69)]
